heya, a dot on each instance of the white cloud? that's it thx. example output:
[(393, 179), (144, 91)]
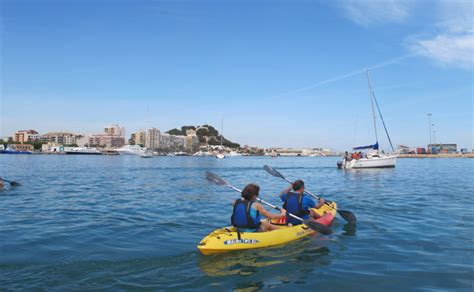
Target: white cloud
[(453, 44), (448, 49), (366, 12)]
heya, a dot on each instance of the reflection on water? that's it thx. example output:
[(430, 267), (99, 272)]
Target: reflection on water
[(349, 229), (247, 262)]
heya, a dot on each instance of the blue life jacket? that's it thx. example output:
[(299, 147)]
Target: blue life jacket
[(241, 217), (293, 204)]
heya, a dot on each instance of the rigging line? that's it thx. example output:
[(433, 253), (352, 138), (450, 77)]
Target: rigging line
[(372, 104), (381, 117), (347, 75)]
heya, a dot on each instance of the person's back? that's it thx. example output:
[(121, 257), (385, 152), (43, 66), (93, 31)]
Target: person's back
[(247, 213), (296, 202), (244, 217)]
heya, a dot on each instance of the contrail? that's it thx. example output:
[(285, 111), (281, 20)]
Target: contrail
[(353, 73)]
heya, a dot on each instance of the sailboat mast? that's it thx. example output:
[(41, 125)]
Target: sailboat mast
[(222, 128), (372, 103), (374, 100)]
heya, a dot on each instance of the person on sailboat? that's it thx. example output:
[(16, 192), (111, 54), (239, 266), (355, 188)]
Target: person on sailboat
[(347, 156), (246, 215), (296, 202)]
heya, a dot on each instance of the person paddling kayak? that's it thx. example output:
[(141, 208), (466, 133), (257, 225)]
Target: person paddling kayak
[(246, 215), (1, 184), (296, 202)]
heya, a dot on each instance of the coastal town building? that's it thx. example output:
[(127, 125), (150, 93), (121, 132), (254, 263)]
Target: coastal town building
[(26, 136), (172, 142), (52, 148), (115, 130), (443, 148), (299, 152), (138, 138), (190, 132), (113, 137), (82, 141), (192, 141), (61, 138), (21, 147), (105, 141), (153, 138)]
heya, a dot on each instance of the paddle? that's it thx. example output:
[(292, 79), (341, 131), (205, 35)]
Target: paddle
[(12, 183), (347, 215), (211, 177)]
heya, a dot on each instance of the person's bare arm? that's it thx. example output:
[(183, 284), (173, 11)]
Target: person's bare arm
[(286, 190), (267, 214), (320, 203)]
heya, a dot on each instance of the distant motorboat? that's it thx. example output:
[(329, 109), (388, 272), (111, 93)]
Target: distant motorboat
[(201, 153), (146, 155), (131, 150), (272, 154), (82, 151), (234, 153), (220, 156)]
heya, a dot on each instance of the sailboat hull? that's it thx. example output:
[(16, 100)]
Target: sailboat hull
[(387, 161)]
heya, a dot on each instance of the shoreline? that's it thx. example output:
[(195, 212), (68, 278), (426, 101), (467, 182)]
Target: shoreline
[(442, 155)]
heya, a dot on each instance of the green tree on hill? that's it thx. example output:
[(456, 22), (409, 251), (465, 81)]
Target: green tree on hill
[(205, 133), (176, 132)]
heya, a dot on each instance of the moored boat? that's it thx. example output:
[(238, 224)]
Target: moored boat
[(146, 155), (131, 150), (82, 151), (228, 239), (12, 151), (375, 158)]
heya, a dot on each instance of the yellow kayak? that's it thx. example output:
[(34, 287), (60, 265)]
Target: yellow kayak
[(227, 239)]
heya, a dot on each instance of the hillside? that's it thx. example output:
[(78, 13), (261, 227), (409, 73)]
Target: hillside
[(207, 134)]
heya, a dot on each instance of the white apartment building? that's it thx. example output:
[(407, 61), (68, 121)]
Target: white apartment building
[(62, 138), (168, 141), (139, 138), (153, 138), (115, 130)]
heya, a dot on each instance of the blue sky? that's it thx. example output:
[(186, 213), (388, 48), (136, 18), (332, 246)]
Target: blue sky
[(281, 73)]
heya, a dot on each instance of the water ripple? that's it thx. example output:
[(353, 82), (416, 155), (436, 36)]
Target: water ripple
[(125, 223)]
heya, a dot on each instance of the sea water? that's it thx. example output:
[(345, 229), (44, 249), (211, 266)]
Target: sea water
[(128, 223)]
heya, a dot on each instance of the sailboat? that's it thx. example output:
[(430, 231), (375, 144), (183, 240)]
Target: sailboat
[(221, 155), (374, 158)]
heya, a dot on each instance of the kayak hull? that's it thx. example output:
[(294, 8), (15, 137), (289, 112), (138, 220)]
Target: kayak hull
[(228, 239)]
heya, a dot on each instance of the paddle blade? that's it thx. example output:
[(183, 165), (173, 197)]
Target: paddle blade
[(323, 229), (347, 215), (12, 183), (215, 179), (15, 184), (273, 171)]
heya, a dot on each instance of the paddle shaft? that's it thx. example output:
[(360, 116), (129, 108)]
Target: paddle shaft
[(309, 193), (347, 215)]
